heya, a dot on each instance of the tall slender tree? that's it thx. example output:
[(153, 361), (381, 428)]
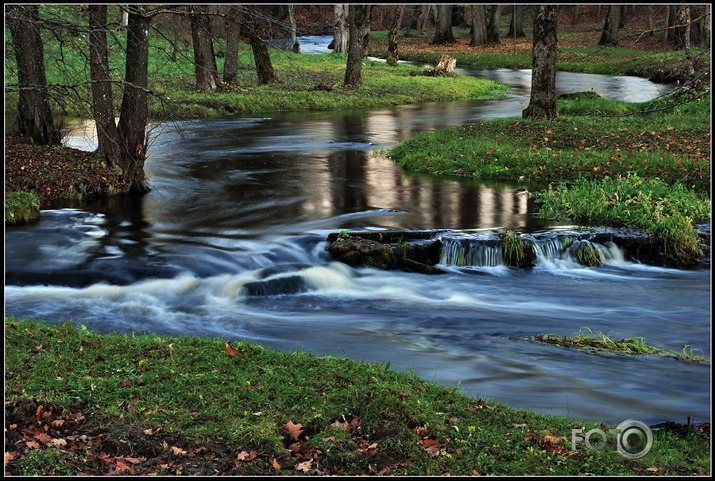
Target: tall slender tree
[(542, 104), (392, 47), (359, 20), (232, 30), (102, 96), (204, 59), (134, 111), (34, 117)]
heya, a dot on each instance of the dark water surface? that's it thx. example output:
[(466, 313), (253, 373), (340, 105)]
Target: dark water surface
[(241, 200)]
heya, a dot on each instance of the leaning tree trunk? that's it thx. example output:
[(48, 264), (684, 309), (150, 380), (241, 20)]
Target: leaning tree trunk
[(204, 59), (262, 58), (102, 97), (34, 118), (542, 104), (134, 112), (392, 53), (359, 19)]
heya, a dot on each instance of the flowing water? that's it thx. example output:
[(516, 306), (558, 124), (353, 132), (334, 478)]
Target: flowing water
[(246, 200)]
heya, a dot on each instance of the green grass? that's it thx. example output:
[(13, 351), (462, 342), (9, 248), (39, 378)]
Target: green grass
[(201, 395), (306, 82), (588, 341), (601, 161), (21, 207)]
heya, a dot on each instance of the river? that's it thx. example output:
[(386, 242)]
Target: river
[(243, 199)]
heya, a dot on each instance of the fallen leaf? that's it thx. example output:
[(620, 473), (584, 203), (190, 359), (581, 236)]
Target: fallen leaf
[(59, 442), (32, 444), (148, 432), (275, 463), (294, 430), (246, 456), (329, 438), (8, 457), (177, 451), (304, 466), (230, 350)]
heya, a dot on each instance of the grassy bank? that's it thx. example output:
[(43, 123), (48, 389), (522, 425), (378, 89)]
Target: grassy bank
[(642, 165), (306, 83), (83, 403)]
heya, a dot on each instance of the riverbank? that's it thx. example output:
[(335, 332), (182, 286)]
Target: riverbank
[(78, 403), (642, 165)]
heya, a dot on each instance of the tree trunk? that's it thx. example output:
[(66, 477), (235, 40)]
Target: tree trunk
[(493, 16), (610, 28), (359, 19), (542, 104), (516, 26), (34, 119), (134, 112), (102, 97), (684, 19), (293, 29), (670, 23), (681, 30), (423, 18), (230, 64), (340, 29), (204, 58), (479, 25), (261, 57), (576, 14), (443, 29), (392, 49)]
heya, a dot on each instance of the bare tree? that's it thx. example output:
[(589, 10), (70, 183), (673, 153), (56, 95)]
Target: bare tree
[(493, 18), (204, 59), (293, 29), (396, 12), (423, 18), (340, 29), (102, 97), (232, 35), (134, 111), (479, 24), (443, 34), (542, 104), (610, 28), (516, 26), (359, 19), (255, 24), (34, 119)]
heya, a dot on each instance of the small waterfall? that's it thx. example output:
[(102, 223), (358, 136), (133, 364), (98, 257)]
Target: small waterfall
[(551, 251), (471, 252)]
